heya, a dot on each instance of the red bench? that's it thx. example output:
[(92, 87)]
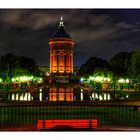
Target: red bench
[(74, 123)]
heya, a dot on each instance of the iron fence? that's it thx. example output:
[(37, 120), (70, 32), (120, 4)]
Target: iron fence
[(124, 114)]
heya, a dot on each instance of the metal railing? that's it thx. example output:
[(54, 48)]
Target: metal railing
[(107, 113)]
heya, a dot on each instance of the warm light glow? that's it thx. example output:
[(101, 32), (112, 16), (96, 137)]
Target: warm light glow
[(108, 79), (77, 123), (21, 97), (81, 96), (105, 97), (40, 96), (17, 96), (121, 80), (13, 97), (61, 71), (13, 79), (40, 124), (91, 78), (61, 94), (127, 96), (98, 78), (69, 96), (17, 78), (105, 79), (61, 55), (26, 78), (53, 96), (127, 80)]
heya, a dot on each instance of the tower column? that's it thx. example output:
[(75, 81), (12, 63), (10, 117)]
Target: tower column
[(71, 61), (65, 62), (50, 61), (57, 62)]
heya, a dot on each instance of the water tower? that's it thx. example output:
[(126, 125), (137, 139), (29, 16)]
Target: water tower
[(61, 52)]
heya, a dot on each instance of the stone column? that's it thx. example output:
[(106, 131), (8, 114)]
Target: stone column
[(54, 61), (71, 61)]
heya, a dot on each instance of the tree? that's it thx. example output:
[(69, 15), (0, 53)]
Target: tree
[(19, 71), (27, 63), (12, 65), (120, 63), (7, 63), (93, 63), (134, 66), (106, 73)]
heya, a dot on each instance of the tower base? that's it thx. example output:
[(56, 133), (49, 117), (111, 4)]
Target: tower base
[(60, 78)]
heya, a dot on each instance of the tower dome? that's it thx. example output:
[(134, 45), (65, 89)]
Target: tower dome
[(61, 33)]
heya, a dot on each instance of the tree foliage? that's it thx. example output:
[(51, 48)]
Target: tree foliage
[(120, 63), (92, 64), (123, 64), (12, 65), (134, 66)]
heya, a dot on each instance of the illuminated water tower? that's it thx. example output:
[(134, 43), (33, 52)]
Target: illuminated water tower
[(61, 52)]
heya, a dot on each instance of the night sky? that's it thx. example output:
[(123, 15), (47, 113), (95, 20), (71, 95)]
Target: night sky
[(96, 32)]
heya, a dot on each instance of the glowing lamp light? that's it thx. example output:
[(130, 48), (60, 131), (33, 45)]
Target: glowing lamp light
[(13, 79), (127, 96), (24, 78), (27, 78), (91, 78), (47, 73), (82, 79), (108, 79), (127, 80), (105, 79), (121, 80), (98, 78), (17, 78), (21, 78), (31, 77)]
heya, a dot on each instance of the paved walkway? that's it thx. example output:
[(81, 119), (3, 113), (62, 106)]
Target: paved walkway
[(30, 127), (24, 127)]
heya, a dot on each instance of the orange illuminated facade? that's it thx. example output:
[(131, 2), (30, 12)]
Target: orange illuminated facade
[(61, 94), (61, 52)]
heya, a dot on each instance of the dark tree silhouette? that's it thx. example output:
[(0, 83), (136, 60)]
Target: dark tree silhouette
[(12, 65), (92, 64)]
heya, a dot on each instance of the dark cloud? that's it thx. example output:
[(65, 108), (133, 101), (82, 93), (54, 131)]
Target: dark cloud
[(97, 32)]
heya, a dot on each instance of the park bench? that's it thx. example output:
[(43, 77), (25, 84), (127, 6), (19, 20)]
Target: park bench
[(73, 123)]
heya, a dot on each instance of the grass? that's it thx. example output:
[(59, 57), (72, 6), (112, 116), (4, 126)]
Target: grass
[(107, 115)]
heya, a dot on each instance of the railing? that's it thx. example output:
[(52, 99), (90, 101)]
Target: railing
[(107, 113)]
